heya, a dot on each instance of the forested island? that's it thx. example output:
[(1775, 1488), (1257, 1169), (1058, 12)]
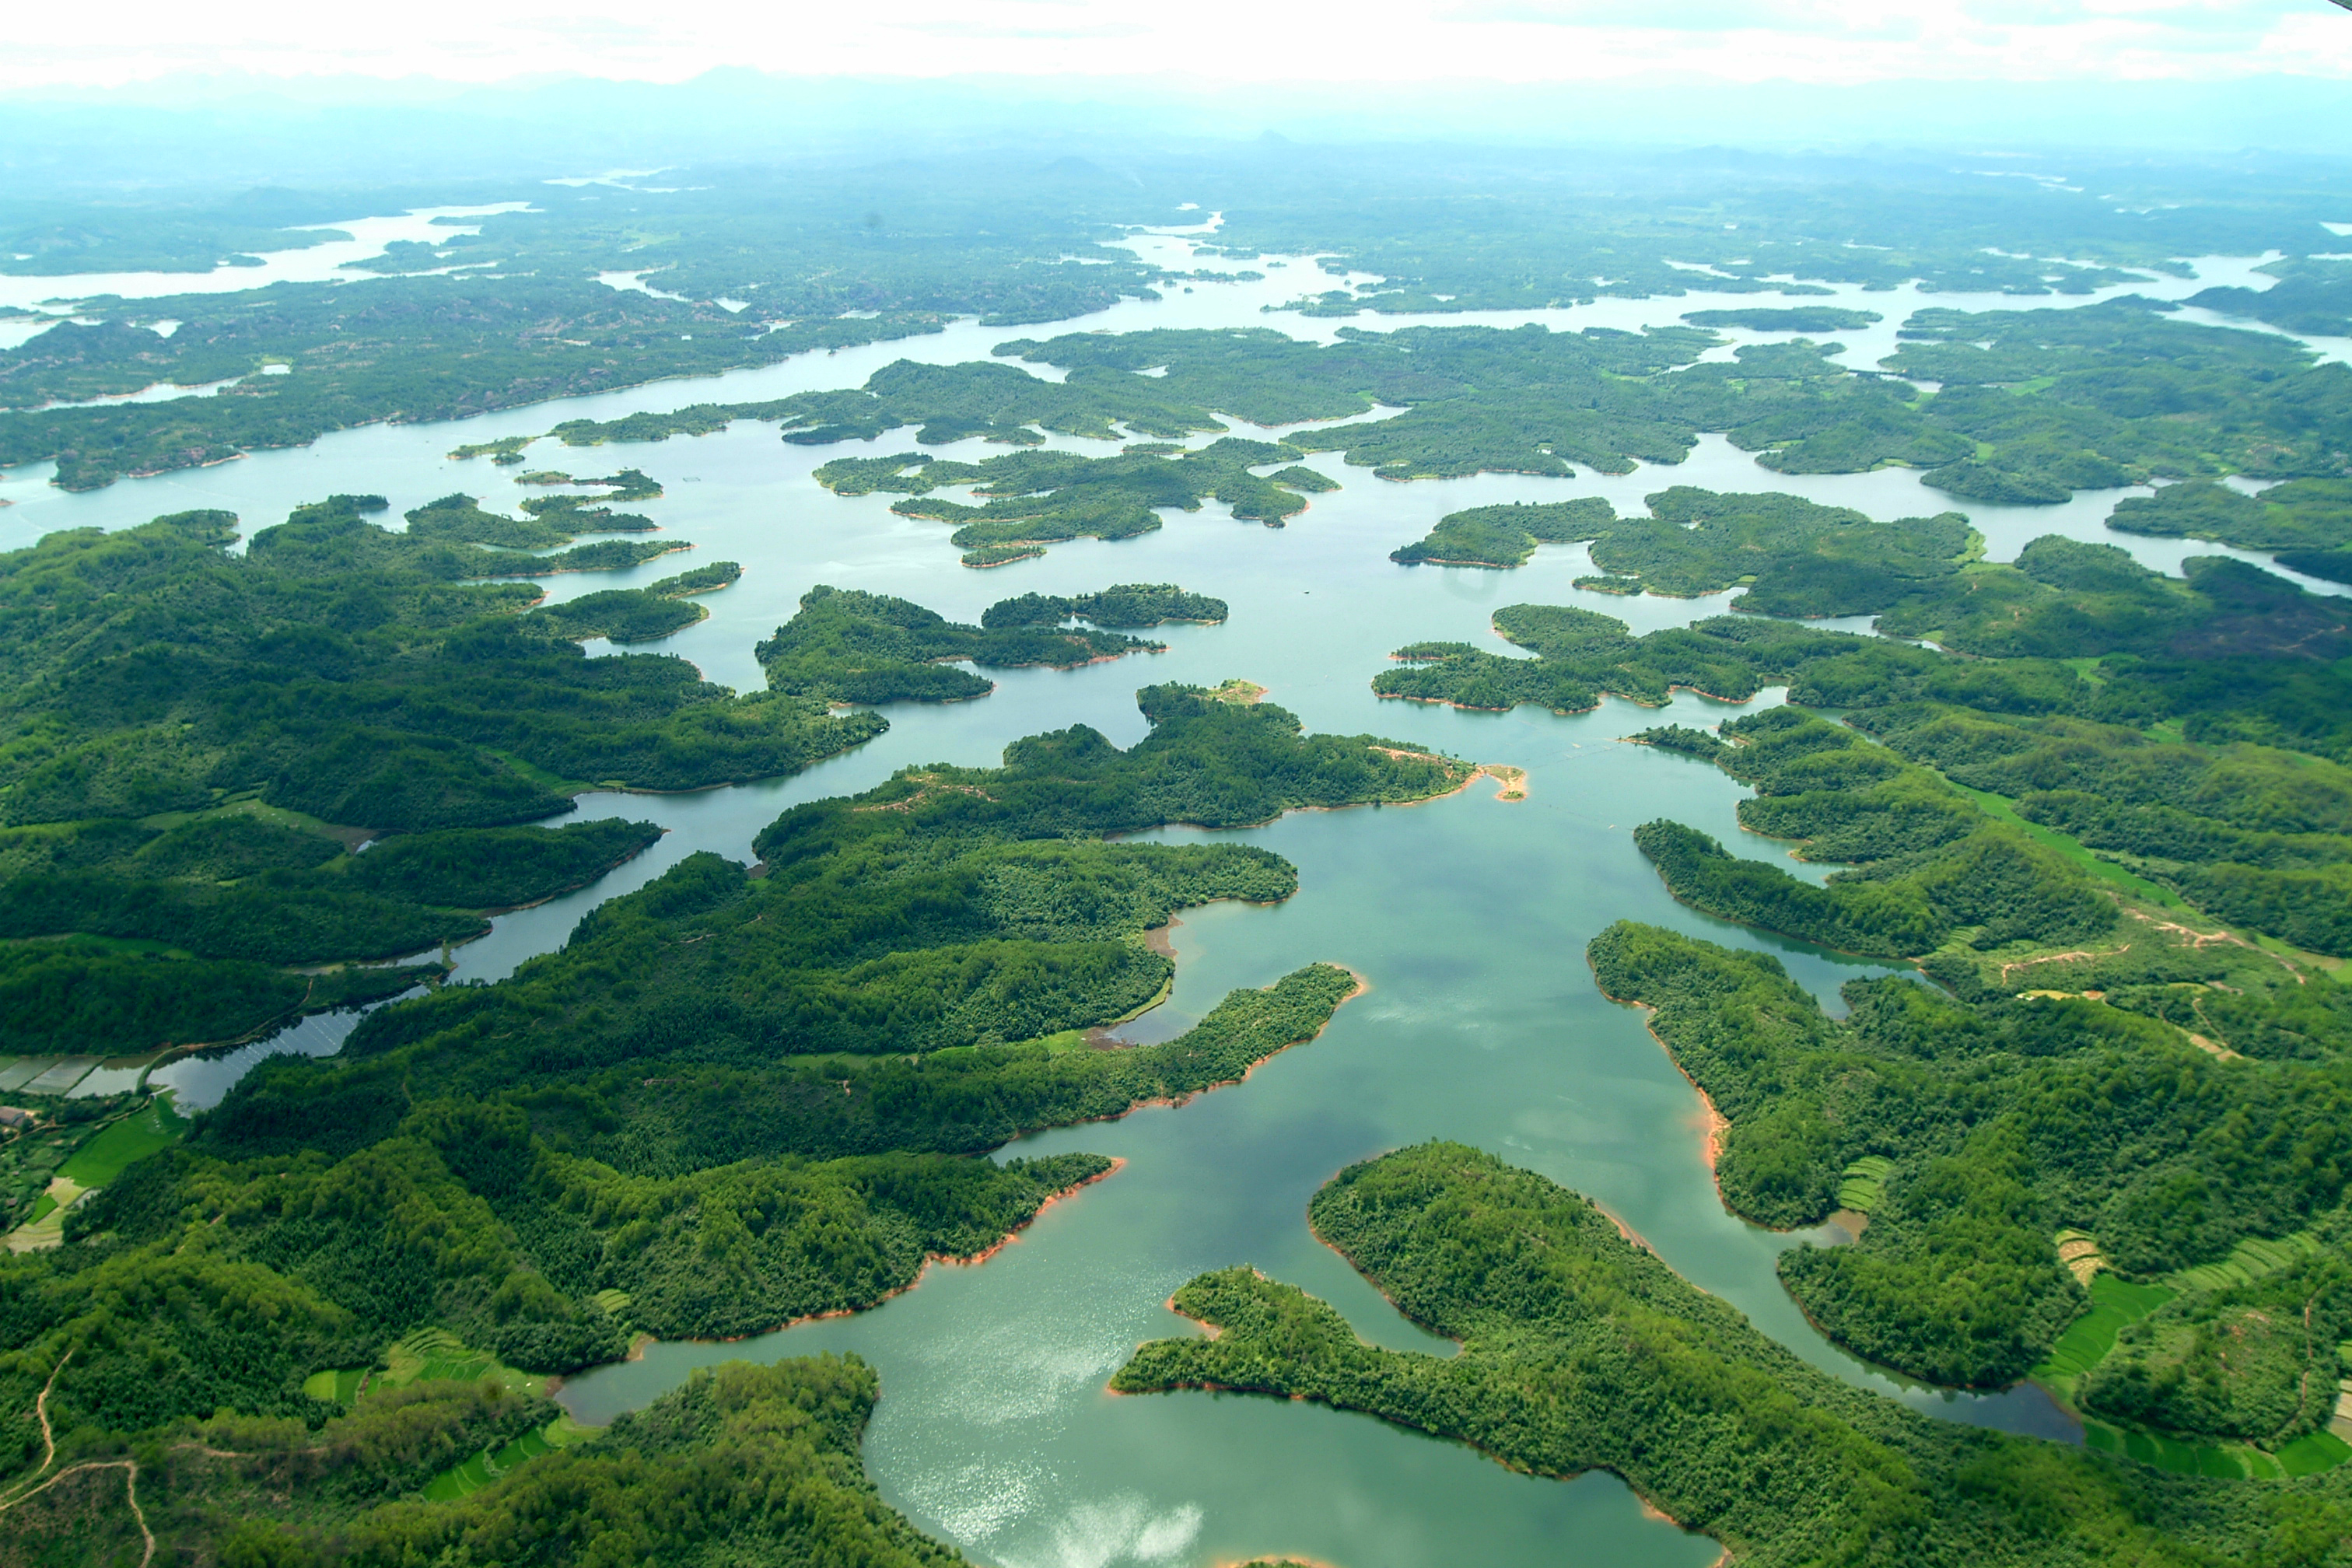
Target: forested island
[(847, 646), (1034, 499)]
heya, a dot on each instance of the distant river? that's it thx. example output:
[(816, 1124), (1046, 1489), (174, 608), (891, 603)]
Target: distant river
[(1469, 915)]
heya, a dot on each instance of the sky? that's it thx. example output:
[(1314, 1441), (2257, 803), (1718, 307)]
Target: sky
[(113, 43)]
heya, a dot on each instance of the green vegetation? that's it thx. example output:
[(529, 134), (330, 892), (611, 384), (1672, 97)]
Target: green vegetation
[(1128, 606), (629, 484), (696, 1476), (2250, 1362), (1583, 654), (2114, 1303), (1787, 318), (2312, 295), (281, 917), (2311, 517), (2034, 405), (1796, 558), (1507, 536), (1802, 559), (1041, 498), (2114, 393), (55, 240), (148, 1129), (2255, 835), (34, 1153), (847, 646), (621, 615), (793, 243), (696, 420), (2005, 1118), (499, 867), (404, 349), (1932, 867), (56, 996), (1582, 1350), (2036, 826), (706, 579), (181, 729), (506, 451), (638, 614), (729, 1101)]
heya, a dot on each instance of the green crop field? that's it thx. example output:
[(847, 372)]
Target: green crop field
[(1863, 1184), (479, 1472), (2086, 1343), (97, 1163)]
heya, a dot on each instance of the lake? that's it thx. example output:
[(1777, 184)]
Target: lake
[(1468, 916)]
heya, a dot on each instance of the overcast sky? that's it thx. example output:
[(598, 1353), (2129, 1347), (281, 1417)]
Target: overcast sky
[(101, 42)]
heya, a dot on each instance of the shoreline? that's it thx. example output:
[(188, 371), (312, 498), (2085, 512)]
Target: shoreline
[(1712, 1122), (967, 1260), (1650, 1509), (1362, 987)]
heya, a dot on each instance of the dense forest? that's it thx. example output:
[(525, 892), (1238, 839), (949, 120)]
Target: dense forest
[(849, 647), (1125, 605), (1582, 1351), (742, 1463), (732, 1101), (1036, 499), (1792, 557), (195, 743)]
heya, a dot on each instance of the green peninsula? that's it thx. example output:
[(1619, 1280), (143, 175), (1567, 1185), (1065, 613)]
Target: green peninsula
[(1787, 318), (1580, 1350)]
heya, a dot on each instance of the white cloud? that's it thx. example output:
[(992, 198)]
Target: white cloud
[(1233, 40)]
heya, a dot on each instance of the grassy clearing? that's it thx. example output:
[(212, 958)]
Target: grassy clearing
[(2000, 809), (1064, 1040), (2249, 1261), (2114, 1303), (541, 776), (337, 1388), (435, 1354), (2233, 1461), (479, 1472), (155, 1127), (2313, 1453)]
